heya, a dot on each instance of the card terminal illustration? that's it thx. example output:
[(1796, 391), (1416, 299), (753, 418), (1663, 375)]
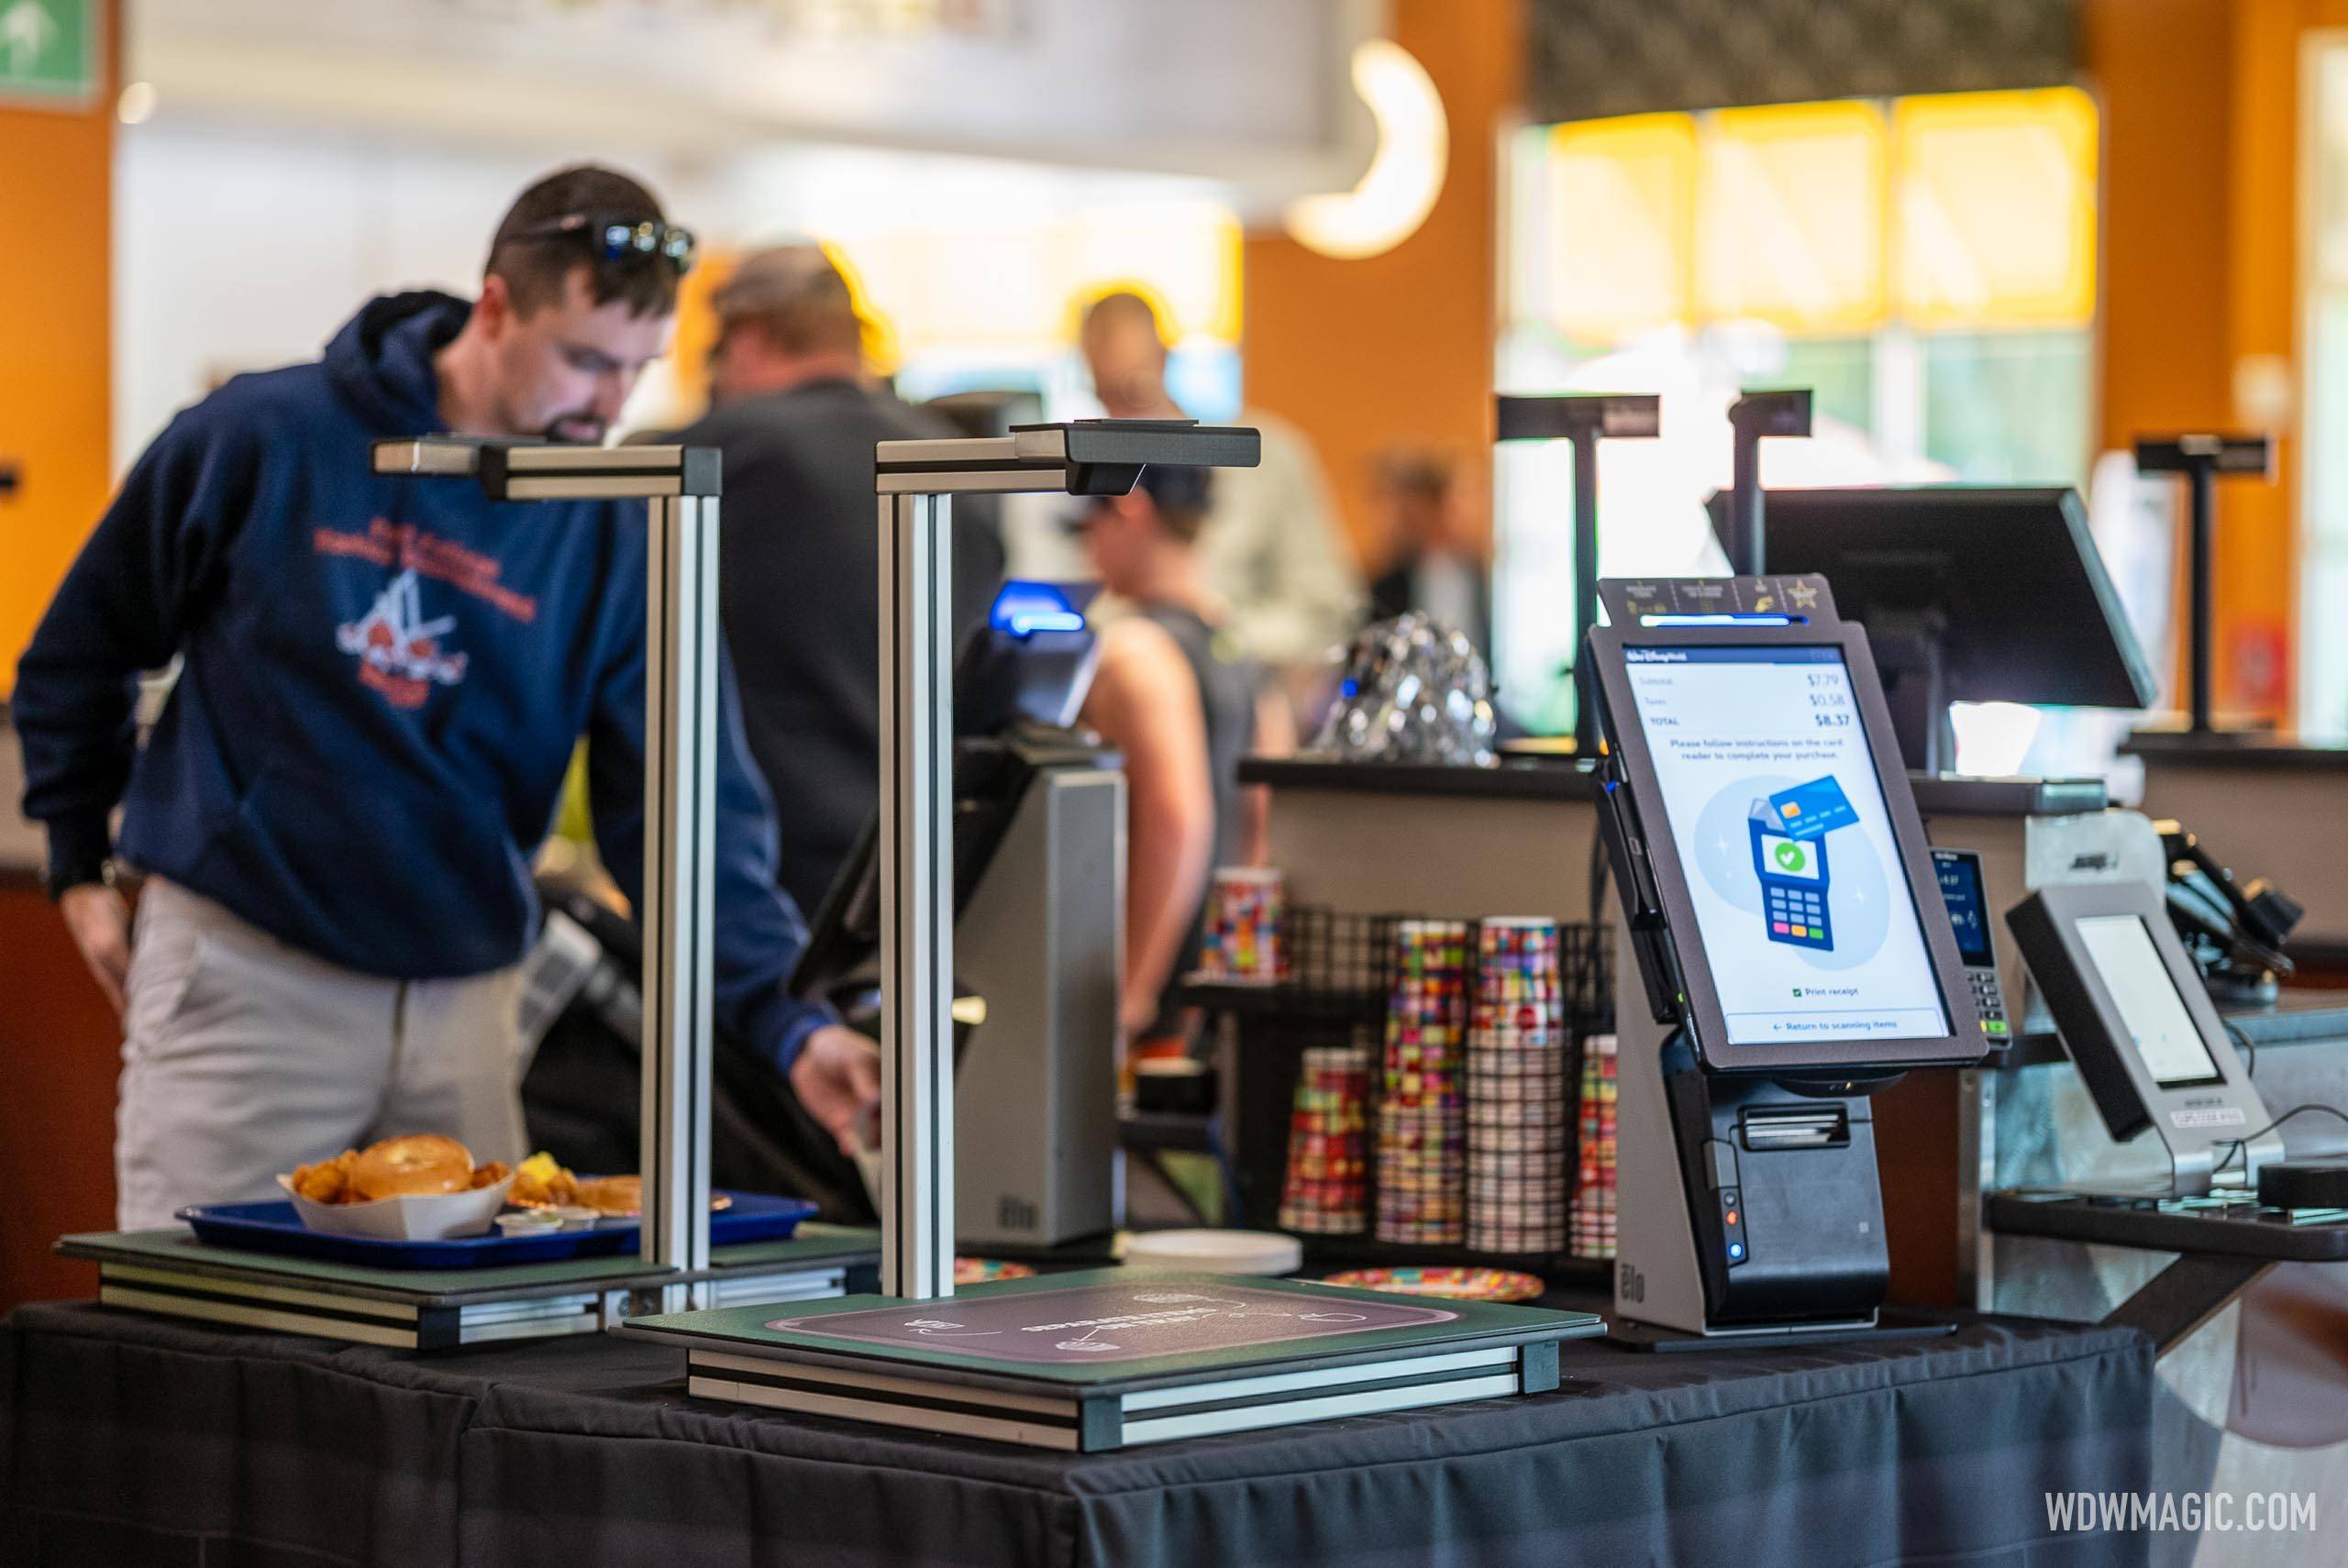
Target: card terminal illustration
[(1790, 831)]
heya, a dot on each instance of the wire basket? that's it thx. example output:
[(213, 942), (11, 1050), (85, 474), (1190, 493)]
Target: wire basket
[(1335, 992)]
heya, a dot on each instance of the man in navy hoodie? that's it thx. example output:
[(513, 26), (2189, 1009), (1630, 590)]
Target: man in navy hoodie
[(382, 682)]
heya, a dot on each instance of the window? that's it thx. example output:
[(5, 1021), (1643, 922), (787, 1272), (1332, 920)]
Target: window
[(1927, 265)]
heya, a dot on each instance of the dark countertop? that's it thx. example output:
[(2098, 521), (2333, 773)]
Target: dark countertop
[(1513, 778), (2252, 751), (1953, 795), (1561, 778)]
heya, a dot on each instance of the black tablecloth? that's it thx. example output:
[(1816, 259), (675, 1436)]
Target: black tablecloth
[(129, 1439)]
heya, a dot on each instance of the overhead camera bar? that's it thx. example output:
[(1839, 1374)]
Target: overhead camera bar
[(2201, 458), (916, 481), (1753, 418)]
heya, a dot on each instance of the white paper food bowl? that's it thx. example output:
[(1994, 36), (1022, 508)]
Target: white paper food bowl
[(1214, 1252), (433, 1217)]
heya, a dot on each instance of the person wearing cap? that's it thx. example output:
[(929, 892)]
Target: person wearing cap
[(1270, 550), (381, 681), (796, 415), (1183, 705)]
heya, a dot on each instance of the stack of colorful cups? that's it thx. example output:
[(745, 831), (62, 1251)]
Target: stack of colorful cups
[(1518, 1136), (1421, 1155)]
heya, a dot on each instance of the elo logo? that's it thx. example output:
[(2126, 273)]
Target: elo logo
[(1631, 1286)]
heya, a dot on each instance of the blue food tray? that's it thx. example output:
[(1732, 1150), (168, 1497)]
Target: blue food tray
[(276, 1226)]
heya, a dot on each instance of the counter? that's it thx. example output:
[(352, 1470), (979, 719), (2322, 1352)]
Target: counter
[(139, 1439), (1402, 838)]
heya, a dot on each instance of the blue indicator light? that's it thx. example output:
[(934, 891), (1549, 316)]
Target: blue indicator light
[(1023, 609), (1735, 1252)]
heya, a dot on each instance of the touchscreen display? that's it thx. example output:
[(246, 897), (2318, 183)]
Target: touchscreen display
[(1773, 801), (1960, 875), (2140, 986)]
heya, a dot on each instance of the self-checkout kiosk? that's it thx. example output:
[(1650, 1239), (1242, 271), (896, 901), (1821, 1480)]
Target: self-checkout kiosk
[(2129, 1006), (1789, 953), (1040, 815)]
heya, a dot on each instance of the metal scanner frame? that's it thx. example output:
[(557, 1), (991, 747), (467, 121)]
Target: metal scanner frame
[(680, 486), (916, 482)]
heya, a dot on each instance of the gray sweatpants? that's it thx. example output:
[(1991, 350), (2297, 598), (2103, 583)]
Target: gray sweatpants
[(244, 1057)]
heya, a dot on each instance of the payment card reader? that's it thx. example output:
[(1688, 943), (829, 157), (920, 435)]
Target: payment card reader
[(1966, 894), (1793, 952)]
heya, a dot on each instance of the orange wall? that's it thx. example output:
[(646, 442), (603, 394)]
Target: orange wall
[(2160, 68), (58, 1040), (57, 176), (2202, 106), (1397, 349), (2256, 532)]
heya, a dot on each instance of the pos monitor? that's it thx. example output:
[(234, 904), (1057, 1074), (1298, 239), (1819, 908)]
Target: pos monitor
[(1969, 594), (2134, 1015)]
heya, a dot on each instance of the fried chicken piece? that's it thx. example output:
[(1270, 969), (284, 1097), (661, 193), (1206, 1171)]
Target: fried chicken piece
[(328, 1181), (491, 1173), (540, 1183)]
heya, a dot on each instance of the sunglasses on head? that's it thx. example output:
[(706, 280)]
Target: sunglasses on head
[(1078, 521), (614, 239)]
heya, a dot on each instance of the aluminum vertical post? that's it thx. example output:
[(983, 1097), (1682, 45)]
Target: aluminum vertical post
[(680, 906), (916, 896)]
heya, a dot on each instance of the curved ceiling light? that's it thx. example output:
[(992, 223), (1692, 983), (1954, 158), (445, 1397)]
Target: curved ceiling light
[(1405, 174)]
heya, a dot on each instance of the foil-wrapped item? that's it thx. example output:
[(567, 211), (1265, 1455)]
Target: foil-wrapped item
[(1415, 690)]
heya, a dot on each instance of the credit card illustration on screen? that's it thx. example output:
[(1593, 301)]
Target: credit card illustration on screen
[(1812, 810)]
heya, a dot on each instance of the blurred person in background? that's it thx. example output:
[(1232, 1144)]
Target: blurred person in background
[(1269, 549), (796, 416), (1438, 550), (1178, 697), (382, 682)]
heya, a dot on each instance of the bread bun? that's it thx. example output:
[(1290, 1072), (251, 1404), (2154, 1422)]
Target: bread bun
[(422, 1163)]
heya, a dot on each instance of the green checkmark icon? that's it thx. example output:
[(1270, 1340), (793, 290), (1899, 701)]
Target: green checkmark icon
[(1790, 857)]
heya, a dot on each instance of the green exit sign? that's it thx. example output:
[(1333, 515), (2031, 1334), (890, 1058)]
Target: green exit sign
[(49, 53)]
